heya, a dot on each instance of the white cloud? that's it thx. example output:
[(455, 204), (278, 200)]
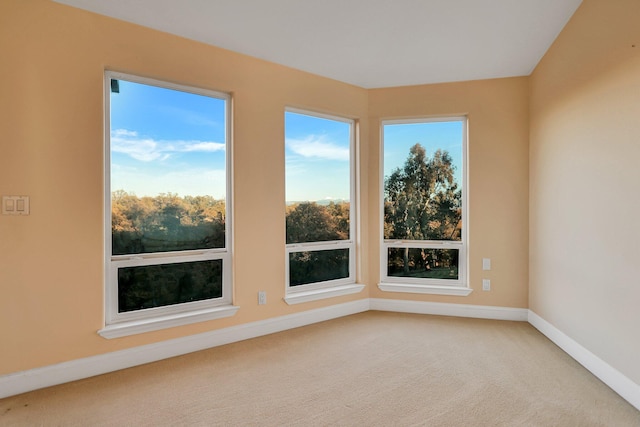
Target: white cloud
[(123, 132), (145, 150), (201, 146), (314, 146), (148, 149)]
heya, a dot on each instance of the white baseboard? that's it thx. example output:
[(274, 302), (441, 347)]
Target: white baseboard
[(622, 385), (33, 379), (443, 309)]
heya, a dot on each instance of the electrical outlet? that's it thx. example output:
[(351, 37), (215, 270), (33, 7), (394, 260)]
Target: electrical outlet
[(486, 284), (262, 298)]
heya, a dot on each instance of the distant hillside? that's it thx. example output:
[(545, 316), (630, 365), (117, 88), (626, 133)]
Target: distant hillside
[(323, 202)]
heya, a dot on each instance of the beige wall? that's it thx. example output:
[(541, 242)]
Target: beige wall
[(51, 116), (585, 149), (497, 111), (51, 148)]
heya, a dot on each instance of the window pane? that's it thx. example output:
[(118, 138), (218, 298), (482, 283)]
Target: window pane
[(423, 181), (318, 266), (423, 263), (318, 178), (167, 284), (168, 169)]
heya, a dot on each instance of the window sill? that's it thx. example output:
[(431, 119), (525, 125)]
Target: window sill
[(425, 289), (123, 329), (317, 294)]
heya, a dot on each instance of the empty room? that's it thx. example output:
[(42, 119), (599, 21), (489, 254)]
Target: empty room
[(319, 213)]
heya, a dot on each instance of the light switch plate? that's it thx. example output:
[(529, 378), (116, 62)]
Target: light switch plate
[(486, 263), (15, 205)]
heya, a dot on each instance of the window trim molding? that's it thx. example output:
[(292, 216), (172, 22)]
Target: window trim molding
[(414, 288), (149, 324), (322, 293), (336, 287), (459, 287), (118, 324)]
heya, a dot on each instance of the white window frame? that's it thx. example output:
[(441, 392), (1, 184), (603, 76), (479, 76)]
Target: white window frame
[(336, 287), (459, 286), (127, 323)]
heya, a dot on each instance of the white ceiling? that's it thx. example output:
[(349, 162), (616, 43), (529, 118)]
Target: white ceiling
[(368, 43)]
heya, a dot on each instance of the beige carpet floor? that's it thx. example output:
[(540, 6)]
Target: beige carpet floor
[(370, 369)]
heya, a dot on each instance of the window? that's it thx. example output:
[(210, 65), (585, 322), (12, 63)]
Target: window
[(424, 210), (167, 231), (320, 206)]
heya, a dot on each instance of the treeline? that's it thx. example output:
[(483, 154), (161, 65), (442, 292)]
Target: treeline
[(168, 222)]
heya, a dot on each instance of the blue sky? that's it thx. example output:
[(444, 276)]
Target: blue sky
[(167, 141), (316, 158), (399, 138)]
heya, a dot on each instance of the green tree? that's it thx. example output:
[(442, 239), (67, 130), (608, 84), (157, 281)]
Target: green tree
[(311, 222), (422, 202), (339, 213)]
